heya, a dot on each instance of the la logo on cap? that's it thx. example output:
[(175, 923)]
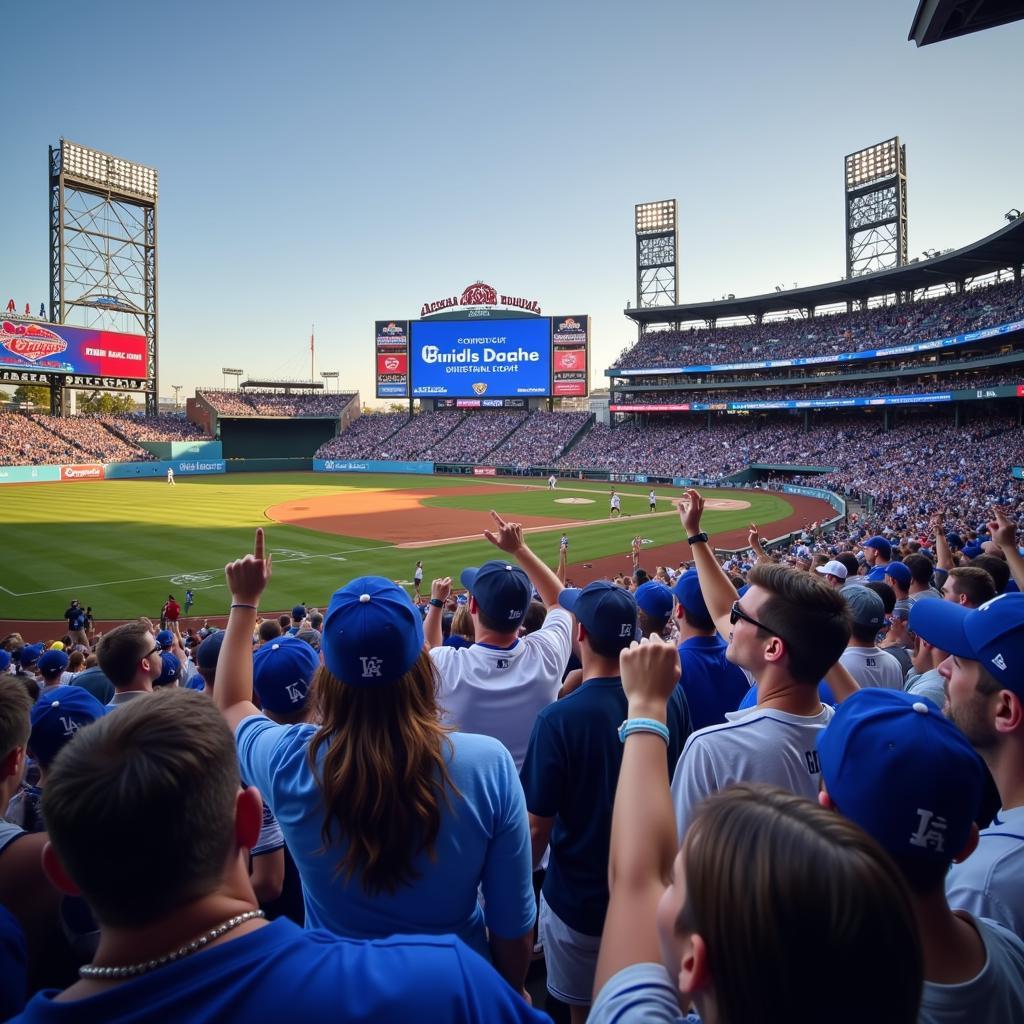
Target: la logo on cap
[(1000, 662), (371, 667)]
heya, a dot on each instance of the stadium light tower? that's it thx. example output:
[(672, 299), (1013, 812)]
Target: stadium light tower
[(328, 376), (103, 255), (876, 208), (176, 388), (231, 371), (657, 254)]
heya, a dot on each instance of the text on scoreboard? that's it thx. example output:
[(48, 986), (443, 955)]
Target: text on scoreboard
[(57, 348)]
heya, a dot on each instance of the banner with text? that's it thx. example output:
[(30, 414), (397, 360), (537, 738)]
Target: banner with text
[(392, 352)]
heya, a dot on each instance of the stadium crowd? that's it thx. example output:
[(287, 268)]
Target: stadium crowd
[(541, 440), (477, 435), (93, 438), (363, 438), (254, 402), (162, 427), (350, 814), (830, 334)]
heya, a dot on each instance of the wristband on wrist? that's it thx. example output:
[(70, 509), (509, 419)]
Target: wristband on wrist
[(698, 538), (240, 605), (436, 602), (631, 725)]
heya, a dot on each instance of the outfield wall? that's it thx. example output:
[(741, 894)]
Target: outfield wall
[(107, 471), (370, 466), (204, 451)]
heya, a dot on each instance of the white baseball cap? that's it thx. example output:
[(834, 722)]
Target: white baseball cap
[(833, 568)]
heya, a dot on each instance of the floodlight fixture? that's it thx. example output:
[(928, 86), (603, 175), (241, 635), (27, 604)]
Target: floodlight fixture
[(112, 174), (229, 371), (655, 218), (872, 164), (875, 193), (657, 261)]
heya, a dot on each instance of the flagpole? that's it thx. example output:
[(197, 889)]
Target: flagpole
[(312, 351)]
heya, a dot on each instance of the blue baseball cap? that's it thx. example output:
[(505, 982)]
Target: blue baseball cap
[(165, 639), (503, 592), (605, 610), (282, 673), (5, 661), (31, 653), (880, 544), (52, 662), (170, 668), (299, 612), (209, 651), (372, 632), (688, 594), (992, 634), (898, 768), (654, 598), (900, 573), (57, 716)]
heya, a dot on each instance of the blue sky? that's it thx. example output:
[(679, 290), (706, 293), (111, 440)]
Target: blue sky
[(337, 163)]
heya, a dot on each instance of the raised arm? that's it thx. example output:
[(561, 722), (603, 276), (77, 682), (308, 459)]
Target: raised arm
[(246, 578), (754, 540), (1004, 533), (715, 585), (643, 839), (432, 632), (509, 538), (943, 554)]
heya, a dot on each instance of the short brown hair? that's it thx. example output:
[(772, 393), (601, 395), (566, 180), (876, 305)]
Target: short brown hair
[(811, 618), (786, 894), (975, 583), (140, 806), (270, 629), (121, 650), (921, 567), (15, 709)]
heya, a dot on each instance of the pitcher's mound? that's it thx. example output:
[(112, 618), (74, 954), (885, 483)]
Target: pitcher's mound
[(721, 504), (574, 501)]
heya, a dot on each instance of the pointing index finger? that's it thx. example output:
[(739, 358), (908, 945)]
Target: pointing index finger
[(259, 548), (499, 522)]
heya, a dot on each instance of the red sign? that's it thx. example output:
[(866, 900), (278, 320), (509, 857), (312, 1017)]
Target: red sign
[(81, 472), (392, 362), (1020, 390), (570, 387), (570, 359), (480, 294), (484, 471)]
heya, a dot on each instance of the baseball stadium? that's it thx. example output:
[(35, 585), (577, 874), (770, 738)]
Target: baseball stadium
[(342, 702)]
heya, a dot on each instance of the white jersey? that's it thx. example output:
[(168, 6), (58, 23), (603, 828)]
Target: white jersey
[(499, 692), (753, 745), (993, 996), (990, 883), (418, 574), (616, 501), (871, 666)]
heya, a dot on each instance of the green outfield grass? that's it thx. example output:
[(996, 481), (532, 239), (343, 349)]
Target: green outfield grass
[(122, 546)]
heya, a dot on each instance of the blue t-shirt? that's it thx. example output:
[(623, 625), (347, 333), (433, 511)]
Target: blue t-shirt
[(570, 774), (824, 695), (12, 965), (712, 684), (281, 972), (484, 841)]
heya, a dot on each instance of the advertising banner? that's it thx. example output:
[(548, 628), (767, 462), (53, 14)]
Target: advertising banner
[(570, 341), (370, 466), (87, 472), (467, 359), (484, 471), (29, 474), (391, 339), (56, 348)]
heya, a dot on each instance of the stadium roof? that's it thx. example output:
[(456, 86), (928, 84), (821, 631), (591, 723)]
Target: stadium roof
[(939, 20), (1003, 248)]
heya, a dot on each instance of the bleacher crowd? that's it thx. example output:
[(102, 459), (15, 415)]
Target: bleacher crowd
[(256, 402)]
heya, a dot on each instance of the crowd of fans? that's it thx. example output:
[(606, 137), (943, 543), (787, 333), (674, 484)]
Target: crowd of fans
[(253, 402), (387, 810), (93, 438), (162, 427), (844, 389), (23, 442), (477, 435), (364, 437), (831, 334), (421, 433), (541, 440)]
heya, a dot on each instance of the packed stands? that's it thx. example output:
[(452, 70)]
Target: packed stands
[(829, 334), (419, 436), (163, 427), (93, 438), (541, 440), (24, 442), (476, 435), (364, 438), (253, 402)]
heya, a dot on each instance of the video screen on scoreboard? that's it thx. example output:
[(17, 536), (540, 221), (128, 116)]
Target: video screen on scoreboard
[(57, 348), (473, 358)]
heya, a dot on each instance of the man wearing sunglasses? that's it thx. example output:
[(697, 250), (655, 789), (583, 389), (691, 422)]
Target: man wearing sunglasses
[(131, 659), (787, 632)]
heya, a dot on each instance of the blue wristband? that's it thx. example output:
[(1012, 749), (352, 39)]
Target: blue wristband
[(631, 725)]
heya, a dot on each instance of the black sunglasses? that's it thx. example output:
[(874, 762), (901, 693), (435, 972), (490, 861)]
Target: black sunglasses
[(156, 650), (736, 613)]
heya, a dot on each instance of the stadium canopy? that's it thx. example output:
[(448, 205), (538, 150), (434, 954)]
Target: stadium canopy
[(939, 20), (1003, 248), (284, 385)]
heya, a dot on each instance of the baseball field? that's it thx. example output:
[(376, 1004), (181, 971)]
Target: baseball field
[(123, 546)]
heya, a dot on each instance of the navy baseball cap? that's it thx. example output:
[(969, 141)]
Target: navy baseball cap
[(372, 633), (165, 639), (503, 591), (866, 607), (170, 667), (5, 661), (299, 611), (605, 610), (992, 634), (52, 662), (209, 650), (880, 544), (688, 594), (57, 716), (896, 766), (654, 598), (900, 573), (31, 653), (282, 673)]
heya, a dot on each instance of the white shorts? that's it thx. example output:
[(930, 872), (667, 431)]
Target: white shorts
[(570, 956)]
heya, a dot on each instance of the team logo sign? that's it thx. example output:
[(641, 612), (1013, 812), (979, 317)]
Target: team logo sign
[(30, 341), (479, 388), (393, 328), (392, 363), (479, 294)]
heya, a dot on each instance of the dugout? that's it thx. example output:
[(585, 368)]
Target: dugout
[(274, 438)]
